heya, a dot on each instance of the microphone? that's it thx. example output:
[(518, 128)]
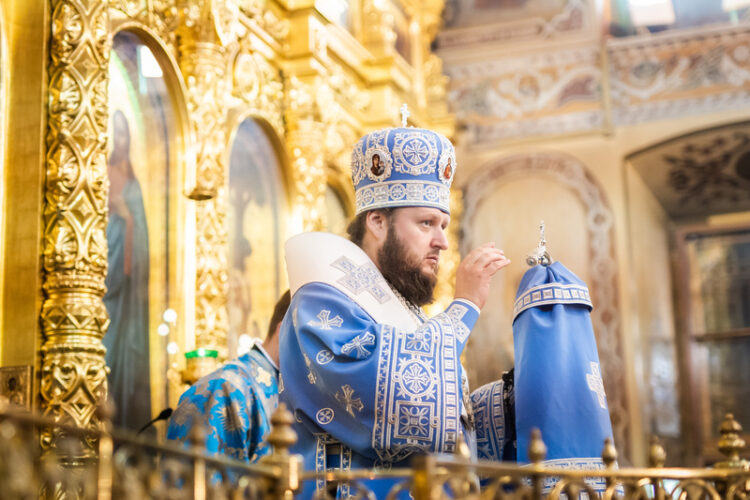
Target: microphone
[(165, 414)]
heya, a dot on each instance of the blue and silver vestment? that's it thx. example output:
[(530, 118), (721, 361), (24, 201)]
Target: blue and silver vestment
[(558, 382), (369, 383), (234, 404)]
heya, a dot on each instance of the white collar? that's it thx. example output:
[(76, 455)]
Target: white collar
[(336, 261), (259, 344)]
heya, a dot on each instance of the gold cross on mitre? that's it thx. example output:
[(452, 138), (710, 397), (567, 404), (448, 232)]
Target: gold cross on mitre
[(404, 114)]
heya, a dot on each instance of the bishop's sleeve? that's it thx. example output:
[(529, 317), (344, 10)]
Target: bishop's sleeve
[(494, 419), (383, 392)]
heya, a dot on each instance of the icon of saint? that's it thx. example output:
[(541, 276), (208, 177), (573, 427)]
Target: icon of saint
[(377, 168), (127, 281)]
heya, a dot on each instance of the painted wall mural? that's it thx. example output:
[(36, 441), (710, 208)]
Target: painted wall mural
[(470, 22), (573, 90), (547, 93), (706, 172), (258, 210), (142, 124)]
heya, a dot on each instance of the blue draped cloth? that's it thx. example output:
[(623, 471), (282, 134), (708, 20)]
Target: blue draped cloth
[(558, 385), (234, 404), (126, 300), (366, 394)]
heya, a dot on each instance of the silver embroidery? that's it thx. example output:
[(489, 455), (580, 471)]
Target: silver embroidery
[(358, 163), (594, 381), (402, 193), (358, 344), (414, 153), (324, 416), (310, 373), (348, 401), (415, 378), (364, 278), (414, 421), (325, 322), (456, 312), (324, 356), (414, 413)]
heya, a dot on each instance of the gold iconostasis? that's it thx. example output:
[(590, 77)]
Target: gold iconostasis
[(174, 147)]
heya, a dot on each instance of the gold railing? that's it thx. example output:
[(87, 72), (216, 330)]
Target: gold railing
[(129, 467)]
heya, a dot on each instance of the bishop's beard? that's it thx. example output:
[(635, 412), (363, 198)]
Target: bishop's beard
[(396, 264)]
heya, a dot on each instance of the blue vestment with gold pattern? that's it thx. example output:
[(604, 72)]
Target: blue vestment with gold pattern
[(235, 404)]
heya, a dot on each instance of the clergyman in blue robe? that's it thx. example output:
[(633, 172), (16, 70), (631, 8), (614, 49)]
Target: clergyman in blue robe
[(234, 404), (371, 380)]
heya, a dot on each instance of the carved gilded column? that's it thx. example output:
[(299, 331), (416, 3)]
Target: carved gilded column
[(204, 65), (306, 143), (74, 319)]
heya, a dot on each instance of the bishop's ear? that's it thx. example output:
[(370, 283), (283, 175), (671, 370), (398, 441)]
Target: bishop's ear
[(377, 225)]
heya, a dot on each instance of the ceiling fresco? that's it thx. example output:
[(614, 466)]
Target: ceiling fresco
[(703, 173)]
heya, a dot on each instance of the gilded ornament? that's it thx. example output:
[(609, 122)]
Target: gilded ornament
[(318, 112), (74, 320), (207, 88), (226, 17), (257, 83)]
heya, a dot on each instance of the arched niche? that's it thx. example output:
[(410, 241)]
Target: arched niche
[(149, 225), (504, 203), (258, 219)]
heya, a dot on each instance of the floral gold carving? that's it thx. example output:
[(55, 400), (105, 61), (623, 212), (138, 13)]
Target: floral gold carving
[(74, 260), (258, 84), (258, 12), (305, 141), (345, 85)]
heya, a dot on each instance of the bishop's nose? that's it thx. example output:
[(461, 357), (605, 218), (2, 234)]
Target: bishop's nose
[(440, 240)]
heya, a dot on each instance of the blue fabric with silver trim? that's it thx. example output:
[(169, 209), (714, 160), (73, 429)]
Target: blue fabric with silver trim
[(399, 167), (489, 420), (557, 375), (366, 394)]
